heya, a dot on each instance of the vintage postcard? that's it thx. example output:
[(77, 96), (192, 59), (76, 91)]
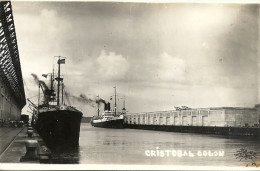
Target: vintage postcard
[(129, 85)]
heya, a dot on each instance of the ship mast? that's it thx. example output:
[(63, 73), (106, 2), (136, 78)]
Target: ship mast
[(115, 100), (98, 104), (124, 103), (52, 86), (52, 75), (58, 97), (62, 89), (60, 61)]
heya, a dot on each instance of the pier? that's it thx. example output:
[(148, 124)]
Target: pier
[(14, 146), (231, 131), (222, 121)]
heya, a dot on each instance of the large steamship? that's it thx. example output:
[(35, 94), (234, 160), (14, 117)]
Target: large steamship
[(109, 119), (57, 123)]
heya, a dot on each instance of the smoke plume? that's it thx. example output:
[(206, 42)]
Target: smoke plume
[(85, 99), (37, 81), (100, 101), (81, 98)]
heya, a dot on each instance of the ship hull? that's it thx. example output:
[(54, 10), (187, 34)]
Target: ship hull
[(59, 128), (117, 123)]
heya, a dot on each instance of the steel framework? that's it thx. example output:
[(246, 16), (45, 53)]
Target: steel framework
[(10, 68)]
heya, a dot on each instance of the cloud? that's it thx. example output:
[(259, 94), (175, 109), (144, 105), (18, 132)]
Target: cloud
[(111, 66), (171, 68), (152, 51), (48, 13)]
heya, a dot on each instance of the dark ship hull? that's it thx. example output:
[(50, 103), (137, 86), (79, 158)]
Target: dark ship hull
[(59, 127), (118, 123)]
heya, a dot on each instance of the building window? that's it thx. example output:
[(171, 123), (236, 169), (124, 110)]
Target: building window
[(176, 120), (167, 120), (204, 120), (161, 121), (184, 120), (194, 120), (154, 120)]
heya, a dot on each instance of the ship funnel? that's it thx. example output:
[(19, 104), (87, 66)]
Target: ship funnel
[(107, 106)]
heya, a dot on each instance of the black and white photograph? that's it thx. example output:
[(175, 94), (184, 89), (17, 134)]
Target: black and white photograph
[(128, 85)]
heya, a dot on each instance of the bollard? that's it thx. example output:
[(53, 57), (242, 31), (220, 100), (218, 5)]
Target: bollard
[(31, 146), (30, 133)]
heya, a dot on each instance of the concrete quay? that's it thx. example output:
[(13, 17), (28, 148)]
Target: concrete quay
[(7, 135), (228, 131), (14, 146)]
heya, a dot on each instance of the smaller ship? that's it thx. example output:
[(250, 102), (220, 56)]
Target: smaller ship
[(109, 119)]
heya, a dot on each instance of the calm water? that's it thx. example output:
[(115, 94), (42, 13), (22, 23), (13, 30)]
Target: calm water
[(132, 146)]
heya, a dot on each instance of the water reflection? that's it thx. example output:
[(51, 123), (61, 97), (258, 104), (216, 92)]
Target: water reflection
[(128, 146), (65, 155), (132, 146)]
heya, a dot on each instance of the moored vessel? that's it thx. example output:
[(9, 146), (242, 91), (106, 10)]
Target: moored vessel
[(57, 123)]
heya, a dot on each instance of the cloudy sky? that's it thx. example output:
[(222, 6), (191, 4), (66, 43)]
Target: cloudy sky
[(158, 55)]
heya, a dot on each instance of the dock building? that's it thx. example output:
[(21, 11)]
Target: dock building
[(12, 96), (209, 117)]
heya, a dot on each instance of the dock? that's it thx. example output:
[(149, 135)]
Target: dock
[(13, 146), (237, 121), (230, 131)]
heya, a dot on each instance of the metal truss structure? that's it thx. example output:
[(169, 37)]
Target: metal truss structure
[(10, 68)]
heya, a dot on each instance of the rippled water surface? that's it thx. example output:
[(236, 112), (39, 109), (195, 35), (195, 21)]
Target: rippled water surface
[(132, 146)]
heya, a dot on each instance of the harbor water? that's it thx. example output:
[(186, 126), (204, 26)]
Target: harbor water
[(134, 146)]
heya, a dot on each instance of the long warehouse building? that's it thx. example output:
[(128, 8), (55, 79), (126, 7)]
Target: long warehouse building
[(213, 117), (12, 96)]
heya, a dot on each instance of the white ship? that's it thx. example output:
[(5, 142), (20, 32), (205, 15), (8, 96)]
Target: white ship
[(109, 119)]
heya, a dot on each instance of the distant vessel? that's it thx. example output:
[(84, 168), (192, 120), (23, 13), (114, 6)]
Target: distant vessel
[(109, 119), (57, 123)]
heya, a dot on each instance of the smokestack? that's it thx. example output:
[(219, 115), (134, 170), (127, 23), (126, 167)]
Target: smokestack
[(108, 106)]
